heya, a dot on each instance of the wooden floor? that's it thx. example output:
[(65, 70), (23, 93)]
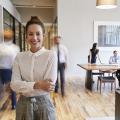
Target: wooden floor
[(78, 104)]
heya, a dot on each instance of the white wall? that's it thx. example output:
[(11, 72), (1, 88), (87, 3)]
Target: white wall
[(75, 25)]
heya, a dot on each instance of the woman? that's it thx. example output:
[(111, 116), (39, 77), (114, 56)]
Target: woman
[(34, 73), (93, 53)]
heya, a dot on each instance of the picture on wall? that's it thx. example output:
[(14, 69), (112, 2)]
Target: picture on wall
[(107, 34)]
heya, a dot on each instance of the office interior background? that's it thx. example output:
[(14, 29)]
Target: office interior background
[(74, 20), (75, 23)]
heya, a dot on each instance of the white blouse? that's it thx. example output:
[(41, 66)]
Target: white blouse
[(31, 67)]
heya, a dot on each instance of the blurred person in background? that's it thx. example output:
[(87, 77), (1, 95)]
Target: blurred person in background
[(8, 52), (115, 58), (62, 55), (93, 54)]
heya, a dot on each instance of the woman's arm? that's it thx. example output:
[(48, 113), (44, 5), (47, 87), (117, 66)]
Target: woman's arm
[(50, 75), (99, 59), (17, 83), (89, 57), (51, 70)]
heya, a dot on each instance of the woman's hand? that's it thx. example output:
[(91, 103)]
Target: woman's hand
[(46, 85)]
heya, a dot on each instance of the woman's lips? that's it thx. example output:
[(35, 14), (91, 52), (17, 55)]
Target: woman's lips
[(35, 42)]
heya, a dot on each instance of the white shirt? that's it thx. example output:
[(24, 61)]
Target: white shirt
[(114, 59), (63, 53), (31, 67), (8, 51)]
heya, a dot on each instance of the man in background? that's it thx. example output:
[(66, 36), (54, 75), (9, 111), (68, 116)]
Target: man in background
[(114, 59), (62, 55), (8, 52)]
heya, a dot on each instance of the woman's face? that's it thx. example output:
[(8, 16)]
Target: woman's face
[(35, 36)]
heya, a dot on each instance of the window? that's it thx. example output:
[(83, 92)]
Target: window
[(107, 34)]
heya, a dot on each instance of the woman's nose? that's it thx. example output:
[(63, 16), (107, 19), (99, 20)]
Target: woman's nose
[(35, 36)]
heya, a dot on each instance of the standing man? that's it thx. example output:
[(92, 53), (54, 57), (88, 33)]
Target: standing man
[(8, 52), (62, 55)]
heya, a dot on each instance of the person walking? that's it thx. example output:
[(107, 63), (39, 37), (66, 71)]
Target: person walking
[(8, 51), (62, 55)]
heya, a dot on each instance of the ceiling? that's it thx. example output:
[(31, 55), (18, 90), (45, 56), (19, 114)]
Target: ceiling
[(34, 3), (45, 9)]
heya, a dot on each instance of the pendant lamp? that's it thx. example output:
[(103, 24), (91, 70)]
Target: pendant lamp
[(106, 4)]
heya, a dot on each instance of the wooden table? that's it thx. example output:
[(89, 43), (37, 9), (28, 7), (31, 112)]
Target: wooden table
[(90, 67)]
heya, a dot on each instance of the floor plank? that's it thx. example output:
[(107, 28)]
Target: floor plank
[(79, 103)]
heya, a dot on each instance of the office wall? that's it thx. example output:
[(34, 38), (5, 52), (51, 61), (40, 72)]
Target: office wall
[(75, 25)]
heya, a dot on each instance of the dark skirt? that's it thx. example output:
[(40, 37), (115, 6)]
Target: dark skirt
[(35, 108)]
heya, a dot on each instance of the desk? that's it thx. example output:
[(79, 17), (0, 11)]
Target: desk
[(90, 67)]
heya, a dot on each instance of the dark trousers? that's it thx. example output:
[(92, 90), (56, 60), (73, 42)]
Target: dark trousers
[(61, 70), (5, 75), (118, 76)]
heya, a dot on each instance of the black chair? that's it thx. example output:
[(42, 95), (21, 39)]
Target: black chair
[(106, 79)]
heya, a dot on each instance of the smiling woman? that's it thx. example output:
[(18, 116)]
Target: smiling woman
[(34, 75), (35, 32)]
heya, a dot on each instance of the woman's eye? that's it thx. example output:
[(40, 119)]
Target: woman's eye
[(38, 34), (30, 34)]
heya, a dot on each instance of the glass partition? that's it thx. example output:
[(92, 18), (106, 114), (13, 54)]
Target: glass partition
[(17, 33), (7, 21), (23, 38), (51, 31)]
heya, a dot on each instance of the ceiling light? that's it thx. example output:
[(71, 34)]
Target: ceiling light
[(106, 4)]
